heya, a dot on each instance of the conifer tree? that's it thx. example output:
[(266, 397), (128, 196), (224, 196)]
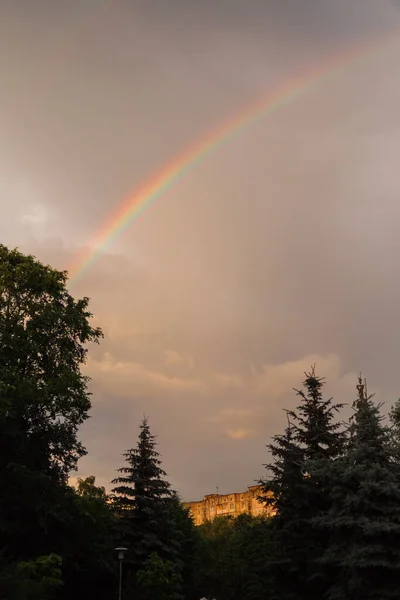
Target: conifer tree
[(299, 493), (141, 496), (284, 491), (363, 522), (147, 507), (394, 415)]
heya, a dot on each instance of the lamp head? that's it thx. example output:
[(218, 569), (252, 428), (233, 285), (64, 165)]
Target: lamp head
[(121, 552)]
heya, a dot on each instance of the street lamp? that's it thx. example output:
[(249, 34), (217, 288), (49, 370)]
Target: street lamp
[(121, 554)]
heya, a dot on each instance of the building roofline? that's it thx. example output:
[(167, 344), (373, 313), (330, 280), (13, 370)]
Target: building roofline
[(214, 495)]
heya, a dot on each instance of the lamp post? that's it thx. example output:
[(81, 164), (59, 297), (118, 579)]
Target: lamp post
[(121, 555)]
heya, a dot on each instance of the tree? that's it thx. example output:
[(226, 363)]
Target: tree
[(285, 490), (158, 579), (215, 565), (145, 504), (90, 565), (394, 415), (363, 521), (87, 488), (250, 556), (299, 491), (186, 540), (43, 399), (141, 495), (43, 394), (233, 558), (38, 579)]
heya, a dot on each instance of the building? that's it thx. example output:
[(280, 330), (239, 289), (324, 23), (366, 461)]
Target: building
[(232, 505)]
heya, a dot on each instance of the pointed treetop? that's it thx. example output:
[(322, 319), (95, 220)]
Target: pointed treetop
[(361, 388)]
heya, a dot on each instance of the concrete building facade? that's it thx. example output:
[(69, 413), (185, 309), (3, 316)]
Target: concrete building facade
[(223, 505)]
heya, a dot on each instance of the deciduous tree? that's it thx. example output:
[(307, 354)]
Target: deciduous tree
[(43, 393)]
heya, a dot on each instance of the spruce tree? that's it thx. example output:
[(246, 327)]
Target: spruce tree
[(363, 522), (284, 491), (141, 497), (147, 506), (299, 492), (395, 430)]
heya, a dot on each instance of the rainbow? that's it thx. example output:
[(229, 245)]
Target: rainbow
[(172, 172)]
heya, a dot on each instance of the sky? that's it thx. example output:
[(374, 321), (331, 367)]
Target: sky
[(278, 251)]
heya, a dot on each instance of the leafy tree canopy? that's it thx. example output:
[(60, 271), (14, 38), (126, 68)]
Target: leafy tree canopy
[(43, 337)]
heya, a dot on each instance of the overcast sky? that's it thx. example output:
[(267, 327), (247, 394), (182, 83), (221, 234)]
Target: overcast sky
[(279, 250)]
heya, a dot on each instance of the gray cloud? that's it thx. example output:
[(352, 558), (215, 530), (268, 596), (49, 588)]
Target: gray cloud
[(278, 250)]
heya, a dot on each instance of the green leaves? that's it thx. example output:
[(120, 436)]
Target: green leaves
[(44, 399), (159, 579), (43, 337), (38, 579), (234, 558)]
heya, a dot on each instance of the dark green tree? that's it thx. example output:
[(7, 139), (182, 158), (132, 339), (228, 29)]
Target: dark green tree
[(285, 491), (234, 558), (363, 521), (299, 492), (43, 337), (158, 579), (186, 538), (141, 495), (89, 561), (250, 554), (146, 506), (44, 399), (394, 415), (87, 488), (38, 579), (215, 563)]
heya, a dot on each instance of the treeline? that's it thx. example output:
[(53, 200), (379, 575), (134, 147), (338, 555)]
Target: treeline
[(336, 490), (335, 486)]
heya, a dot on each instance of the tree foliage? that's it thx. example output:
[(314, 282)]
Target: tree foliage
[(89, 542), (363, 521), (43, 394), (32, 579), (44, 399), (149, 510), (158, 579), (141, 497), (234, 558), (335, 534), (296, 487)]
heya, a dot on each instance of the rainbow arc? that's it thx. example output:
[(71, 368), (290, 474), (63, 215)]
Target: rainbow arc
[(172, 172)]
